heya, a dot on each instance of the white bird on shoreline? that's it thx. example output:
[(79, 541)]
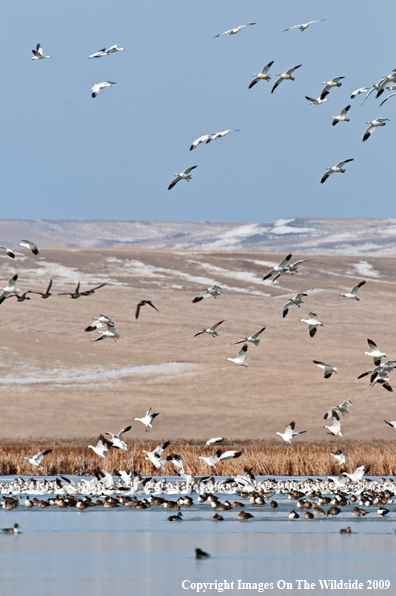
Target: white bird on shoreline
[(341, 116), (373, 125), (286, 76), (252, 339), (235, 30), (328, 368), (116, 441), (313, 323), (96, 88), (240, 359), (147, 419), (262, 76), (36, 459), (304, 25), (211, 330), (294, 301), (335, 169), (289, 433), (353, 294), (207, 292), (30, 245), (9, 289), (182, 176), (38, 53)]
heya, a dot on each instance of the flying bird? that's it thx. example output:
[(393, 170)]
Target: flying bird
[(116, 441), (220, 456), (30, 245), (335, 169), (319, 100), (110, 333), (99, 54), (262, 76), (329, 85), (92, 290), (235, 30), (375, 352), (215, 441), (340, 409), (101, 447), (340, 457), (253, 338), (142, 303), (219, 135), (211, 330), (289, 433), (96, 88), (359, 91), (147, 419), (241, 358), (102, 321), (292, 268), (155, 456), (183, 176), (373, 125), (207, 292), (358, 473), (335, 428), (45, 294), (198, 141), (304, 25), (286, 76), (38, 53), (9, 289), (280, 268), (294, 301), (353, 294), (386, 98), (114, 49), (6, 251), (341, 116), (36, 459), (328, 368), (392, 423), (313, 323), (76, 294)]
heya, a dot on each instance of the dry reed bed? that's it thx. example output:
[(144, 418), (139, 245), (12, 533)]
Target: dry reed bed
[(263, 457)]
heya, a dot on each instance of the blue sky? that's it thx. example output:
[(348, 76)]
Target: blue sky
[(65, 155)]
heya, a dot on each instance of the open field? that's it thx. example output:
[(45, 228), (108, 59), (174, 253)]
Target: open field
[(54, 382)]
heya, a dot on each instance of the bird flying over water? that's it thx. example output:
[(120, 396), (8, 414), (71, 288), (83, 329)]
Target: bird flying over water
[(101, 447), (116, 441)]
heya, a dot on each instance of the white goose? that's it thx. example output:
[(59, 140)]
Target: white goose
[(359, 91), (101, 447), (386, 98), (207, 292), (296, 300), (235, 30), (110, 333), (304, 25), (341, 116), (329, 85), (335, 169), (373, 125), (219, 135), (182, 176), (114, 49), (198, 141), (392, 423), (98, 54), (96, 88), (9, 289), (340, 409), (252, 339), (211, 330), (328, 368), (147, 419), (30, 245), (6, 251), (116, 441), (353, 294), (280, 268), (241, 358), (219, 456), (319, 100), (155, 456), (36, 459), (286, 76), (357, 474), (214, 441), (313, 323), (262, 76), (289, 433), (292, 268), (38, 53), (340, 457), (99, 322), (335, 428), (375, 352)]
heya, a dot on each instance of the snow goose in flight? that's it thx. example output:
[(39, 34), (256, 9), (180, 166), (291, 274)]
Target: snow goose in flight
[(92, 290), (38, 53), (102, 321), (147, 419), (280, 268), (219, 135), (262, 76), (319, 100), (294, 301), (241, 358), (142, 303), (304, 25), (36, 459), (392, 423), (313, 323), (359, 91), (182, 176), (47, 292), (373, 125), (96, 88), (384, 81), (114, 49), (76, 294), (335, 169), (335, 428), (101, 447), (30, 245), (211, 330), (286, 76), (329, 85), (340, 457), (375, 352), (155, 456), (289, 433), (235, 30), (110, 332), (99, 54), (328, 368), (116, 441), (386, 98), (253, 338), (207, 292), (353, 294), (387, 366), (220, 456), (9, 289), (6, 251), (341, 116), (357, 474), (292, 268), (382, 379), (340, 409), (202, 139), (216, 440)]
